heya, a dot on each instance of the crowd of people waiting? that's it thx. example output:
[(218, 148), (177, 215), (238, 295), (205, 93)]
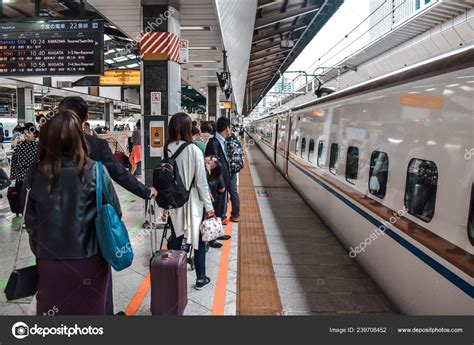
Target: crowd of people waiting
[(54, 168)]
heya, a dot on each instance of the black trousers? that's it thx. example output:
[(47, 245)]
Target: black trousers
[(18, 187), (109, 303), (174, 243)]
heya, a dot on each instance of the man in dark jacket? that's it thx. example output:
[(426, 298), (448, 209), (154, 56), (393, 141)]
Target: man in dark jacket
[(217, 146), (99, 150)]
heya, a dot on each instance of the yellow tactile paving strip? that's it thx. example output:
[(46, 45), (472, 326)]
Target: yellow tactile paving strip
[(257, 290)]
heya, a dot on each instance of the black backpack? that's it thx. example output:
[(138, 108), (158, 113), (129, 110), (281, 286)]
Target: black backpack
[(166, 179)]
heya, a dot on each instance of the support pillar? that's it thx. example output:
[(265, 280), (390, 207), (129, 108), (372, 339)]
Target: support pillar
[(212, 103), (109, 115), (25, 101), (161, 82)]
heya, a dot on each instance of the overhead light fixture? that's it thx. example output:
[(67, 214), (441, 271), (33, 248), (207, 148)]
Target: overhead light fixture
[(107, 38), (205, 61), (109, 61), (202, 48), (195, 28), (120, 59), (204, 68)]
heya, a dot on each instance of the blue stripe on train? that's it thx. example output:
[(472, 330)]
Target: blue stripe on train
[(445, 272)]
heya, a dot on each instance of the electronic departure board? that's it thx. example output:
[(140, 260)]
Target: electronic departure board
[(72, 47)]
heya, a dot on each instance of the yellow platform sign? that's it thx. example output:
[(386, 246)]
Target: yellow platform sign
[(121, 77)]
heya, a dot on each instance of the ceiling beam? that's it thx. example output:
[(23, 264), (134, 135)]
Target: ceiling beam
[(276, 18), (262, 47), (261, 66), (255, 62), (267, 3), (264, 77), (254, 72), (263, 55), (258, 74), (259, 38)]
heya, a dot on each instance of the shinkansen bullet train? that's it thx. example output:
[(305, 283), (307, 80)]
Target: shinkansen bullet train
[(388, 166)]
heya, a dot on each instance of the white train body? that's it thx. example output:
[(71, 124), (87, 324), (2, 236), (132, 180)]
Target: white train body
[(424, 259)]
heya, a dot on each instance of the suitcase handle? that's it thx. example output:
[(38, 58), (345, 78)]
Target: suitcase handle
[(151, 210)]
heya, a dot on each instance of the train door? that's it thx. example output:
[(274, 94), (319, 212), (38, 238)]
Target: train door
[(291, 125), (275, 148)]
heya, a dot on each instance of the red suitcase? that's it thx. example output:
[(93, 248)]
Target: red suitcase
[(168, 271), (169, 286)]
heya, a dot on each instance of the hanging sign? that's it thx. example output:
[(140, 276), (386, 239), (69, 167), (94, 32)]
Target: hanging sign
[(183, 51)]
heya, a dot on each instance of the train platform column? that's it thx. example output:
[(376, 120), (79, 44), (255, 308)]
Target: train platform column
[(25, 104), (161, 77)]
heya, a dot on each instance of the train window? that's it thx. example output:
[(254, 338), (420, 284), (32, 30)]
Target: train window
[(334, 158), (352, 164), (296, 145), (470, 222), (303, 147), (311, 151), (378, 174), (321, 155), (421, 186)]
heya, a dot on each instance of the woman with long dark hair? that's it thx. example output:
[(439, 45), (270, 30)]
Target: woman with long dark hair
[(73, 275), (186, 220)]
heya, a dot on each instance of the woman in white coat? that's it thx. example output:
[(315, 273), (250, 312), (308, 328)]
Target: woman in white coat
[(185, 221)]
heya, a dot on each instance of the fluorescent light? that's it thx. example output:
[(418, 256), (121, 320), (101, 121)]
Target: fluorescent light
[(203, 68), (110, 51), (133, 65), (107, 38), (202, 48), (131, 56), (195, 28), (120, 59), (205, 61), (109, 61)]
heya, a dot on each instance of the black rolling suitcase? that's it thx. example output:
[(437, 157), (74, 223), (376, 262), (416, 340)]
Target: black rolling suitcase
[(168, 272), (14, 200)]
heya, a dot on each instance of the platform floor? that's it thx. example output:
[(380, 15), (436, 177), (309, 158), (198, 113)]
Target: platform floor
[(132, 286), (314, 273), (308, 270)]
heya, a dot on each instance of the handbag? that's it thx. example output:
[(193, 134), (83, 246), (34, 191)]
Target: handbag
[(111, 232), (211, 229), (22, 282)]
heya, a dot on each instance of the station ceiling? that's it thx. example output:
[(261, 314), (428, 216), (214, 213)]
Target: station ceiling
[(199, 25), (277, 22)]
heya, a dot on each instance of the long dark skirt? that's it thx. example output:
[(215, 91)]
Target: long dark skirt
[(72, 287)]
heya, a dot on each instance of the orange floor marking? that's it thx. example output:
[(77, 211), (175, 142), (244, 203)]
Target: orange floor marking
[(137, 300), (219, 294)]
